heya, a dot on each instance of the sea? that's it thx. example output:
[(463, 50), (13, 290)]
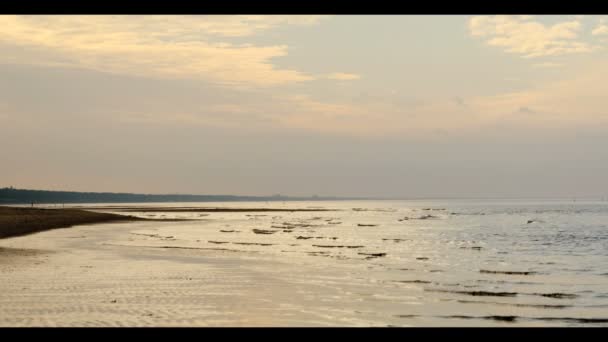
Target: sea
[(406, 263)]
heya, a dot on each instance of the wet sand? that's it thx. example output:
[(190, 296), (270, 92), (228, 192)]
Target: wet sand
[(77, 277), (80, 277)]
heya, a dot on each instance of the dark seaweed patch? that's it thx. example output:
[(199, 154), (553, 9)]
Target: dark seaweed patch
[(373, 255), (337, 246), (479, 293), (516, 318), (574, 320), (253, 244), (413, 281), (395, 240), (557, 295), (540, 306), (150, 235), (263, 231), (294, 225), (426, 217), (202, 248), (507, 272), (495, 318)]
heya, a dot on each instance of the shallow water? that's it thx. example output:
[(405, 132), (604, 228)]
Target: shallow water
[(396, 263)]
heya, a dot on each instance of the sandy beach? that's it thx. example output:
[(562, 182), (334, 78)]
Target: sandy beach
[(358, 264), (84, 276), (69, 278), (17, 221)]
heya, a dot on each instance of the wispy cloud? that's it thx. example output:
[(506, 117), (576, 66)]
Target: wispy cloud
[(528, 38), (548, 65), (343, 76), (600, 30), (602, 27), (576, 100), (526, 110), (459, 101), (169, 47), (154, 46)]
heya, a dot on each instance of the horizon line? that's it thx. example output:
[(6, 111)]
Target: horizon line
[(332, 197)]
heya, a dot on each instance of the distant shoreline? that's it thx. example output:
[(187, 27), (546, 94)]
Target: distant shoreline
[(14, 196), (26, 196)]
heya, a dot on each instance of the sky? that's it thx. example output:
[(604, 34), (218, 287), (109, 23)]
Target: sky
[(385, 106)]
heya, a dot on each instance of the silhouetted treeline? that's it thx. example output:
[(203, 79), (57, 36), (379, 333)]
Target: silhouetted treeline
[(22, 196)]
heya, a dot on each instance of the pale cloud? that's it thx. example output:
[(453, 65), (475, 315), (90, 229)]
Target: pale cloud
[(343, 76), (526, 110), (372, 119), (548, 65), (567, 103), (572, 102), (529, 38), (307, 114), (460, 101), (153, 46), (600, 30), (562, 105), (525, 17), (276, 112), (243, 119), (149, 46)]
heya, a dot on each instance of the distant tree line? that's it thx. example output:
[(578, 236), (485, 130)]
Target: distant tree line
[(11, 195)]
